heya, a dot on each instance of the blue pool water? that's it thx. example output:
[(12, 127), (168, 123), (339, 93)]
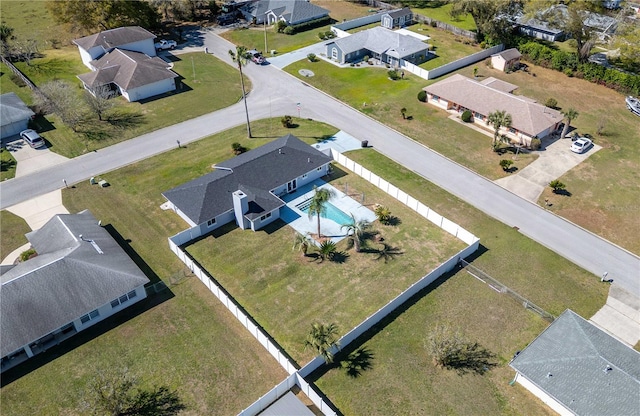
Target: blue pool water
[(331, 212)]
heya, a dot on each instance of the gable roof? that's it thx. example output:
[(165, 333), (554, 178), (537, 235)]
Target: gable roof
[(114, 38), (255, 172), (69, 277), (577, 354), (499, 84), (13, 109), (527, 115), (381, 40), (293, 11), (127, 69), (508, 54), (405, 11)]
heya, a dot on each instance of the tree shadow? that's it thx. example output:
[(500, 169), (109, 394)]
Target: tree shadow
[(41, 124), (121, 119), (6, 165), (393, 221), (473, 358), (562, 192), (339, 257), (387, 252), (511, 169), (355, 362), (157, 402)]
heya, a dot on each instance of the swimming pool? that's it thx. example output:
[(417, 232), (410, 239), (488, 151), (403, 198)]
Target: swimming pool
[(332, 212)]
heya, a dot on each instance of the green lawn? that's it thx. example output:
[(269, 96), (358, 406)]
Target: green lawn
[(447, 46), (276, 285), (13, 230), (442, 13), (370, 91), (7, 164), (216, 85)]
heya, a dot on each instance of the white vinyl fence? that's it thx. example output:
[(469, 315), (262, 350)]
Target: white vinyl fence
[(462, 62)]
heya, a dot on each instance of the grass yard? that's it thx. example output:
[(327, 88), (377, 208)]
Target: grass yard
[(370, 91), (447, 46), (7, 164), (605, 189), (442, 13), (13, 230), (286, 292), (128, 120)]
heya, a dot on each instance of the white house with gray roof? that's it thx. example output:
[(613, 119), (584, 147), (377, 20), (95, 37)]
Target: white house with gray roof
[(529, 118), (14, 115), (578, 369), (293, 12), (378, 43), (246, 189), (131, 38), (396, 18), (79, 277)]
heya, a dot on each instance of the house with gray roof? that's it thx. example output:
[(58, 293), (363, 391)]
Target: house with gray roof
[(246, 188), (124, 59), (397, 18), (14, 115), (578, 369), (381, 44), (79, 277), (530, 119), (293, 12)]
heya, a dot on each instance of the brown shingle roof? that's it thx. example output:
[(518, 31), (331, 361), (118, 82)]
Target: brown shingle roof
[(527, 115), (113, 38)]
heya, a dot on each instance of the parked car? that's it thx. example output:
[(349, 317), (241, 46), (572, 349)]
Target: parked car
[(32, 138), (164, 44), (256, 57), (581, 145)]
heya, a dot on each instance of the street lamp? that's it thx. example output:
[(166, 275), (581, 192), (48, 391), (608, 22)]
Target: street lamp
[(265, 33)]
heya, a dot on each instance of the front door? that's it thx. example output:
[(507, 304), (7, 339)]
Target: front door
[(291, 186)]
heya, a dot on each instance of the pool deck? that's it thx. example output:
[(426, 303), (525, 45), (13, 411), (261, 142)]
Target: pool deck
[(301, 222)]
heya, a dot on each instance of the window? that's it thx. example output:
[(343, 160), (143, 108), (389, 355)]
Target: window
[(211, 222), (90, 316), (304, 176), (319, 169), (512, 130), (264, 217), (435, 97), (122, 299), (478, 116)]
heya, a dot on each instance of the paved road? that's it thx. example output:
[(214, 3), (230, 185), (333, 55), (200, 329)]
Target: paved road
[(276, 93)]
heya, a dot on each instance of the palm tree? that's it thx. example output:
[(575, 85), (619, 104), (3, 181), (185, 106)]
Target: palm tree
[(241, 57), (498, 119), (383, 213), (355, 229), (318, 203), (570, 115), (327, 250), (321, 338), (302, 243)]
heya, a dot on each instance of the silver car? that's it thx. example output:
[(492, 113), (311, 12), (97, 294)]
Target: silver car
[(581, 145), (32, 138)]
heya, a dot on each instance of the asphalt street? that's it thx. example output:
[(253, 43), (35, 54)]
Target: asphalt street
[(276, 93)]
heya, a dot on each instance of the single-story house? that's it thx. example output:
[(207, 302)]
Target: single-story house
[(577, 369), (79, 277), (381, 44), (135, 75), (529, 118), (14, 115), (396, 18), (537, 27), (292, 12), (130, 38), (506, 60), (246, 188)]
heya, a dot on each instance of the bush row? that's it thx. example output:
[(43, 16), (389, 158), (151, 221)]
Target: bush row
[(311, 24), (568, 63)]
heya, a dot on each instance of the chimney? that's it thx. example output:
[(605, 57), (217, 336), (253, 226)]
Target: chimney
[(240, 207)]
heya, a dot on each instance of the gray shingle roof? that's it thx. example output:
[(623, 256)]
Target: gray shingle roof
[(256, 172), (113, 38), (294, 11), (577, 354), (381, 40), (67, 279), (405, 11), (13, 109), (509, 54), (527, 115), (127, 69)]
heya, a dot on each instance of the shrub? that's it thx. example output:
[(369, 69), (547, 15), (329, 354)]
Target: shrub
[(535, 143), (434, 23), (393, 74), (238, 148), (422, 96), (281, 25), (383, 213), (287, 121), (551, 103), (366, 58), (289, 30), (28, 254), (312, 57), (466, 116), (557, 186), (321, 36), (505, 164), (329, 34)]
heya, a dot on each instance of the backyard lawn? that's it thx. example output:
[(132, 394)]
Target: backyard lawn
[(213, 78), (442, 13), (447, 46), (7, 165)]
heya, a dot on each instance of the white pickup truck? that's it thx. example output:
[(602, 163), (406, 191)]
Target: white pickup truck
[(164, 44)]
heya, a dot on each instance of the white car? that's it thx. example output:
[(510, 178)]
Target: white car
[(256, 57), (164, 44), (581, 145), (32, 138)]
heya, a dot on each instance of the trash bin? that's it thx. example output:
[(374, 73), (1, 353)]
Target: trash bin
[(365, 143), (92, 181)]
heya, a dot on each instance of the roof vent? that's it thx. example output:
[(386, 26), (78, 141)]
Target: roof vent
[(607, 369), (279, 151), (308, 160), (549, 375)]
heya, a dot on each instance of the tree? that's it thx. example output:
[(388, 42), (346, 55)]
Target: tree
[(240, 57), (383, 213), (505, 164), (627, 41), (104, 14), (318, 203), (281, 25), (327, 250), (499, 118), (569, 115), (99, 100), (286, 121), (61, 98), (403, 111), (355, 229), (321, 338), (302, 242), (557, 186), (493, 18), (451, 350), (25, 50)]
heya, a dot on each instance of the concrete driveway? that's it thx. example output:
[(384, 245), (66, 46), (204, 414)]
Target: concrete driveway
[(554, 161), (31, 160)]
